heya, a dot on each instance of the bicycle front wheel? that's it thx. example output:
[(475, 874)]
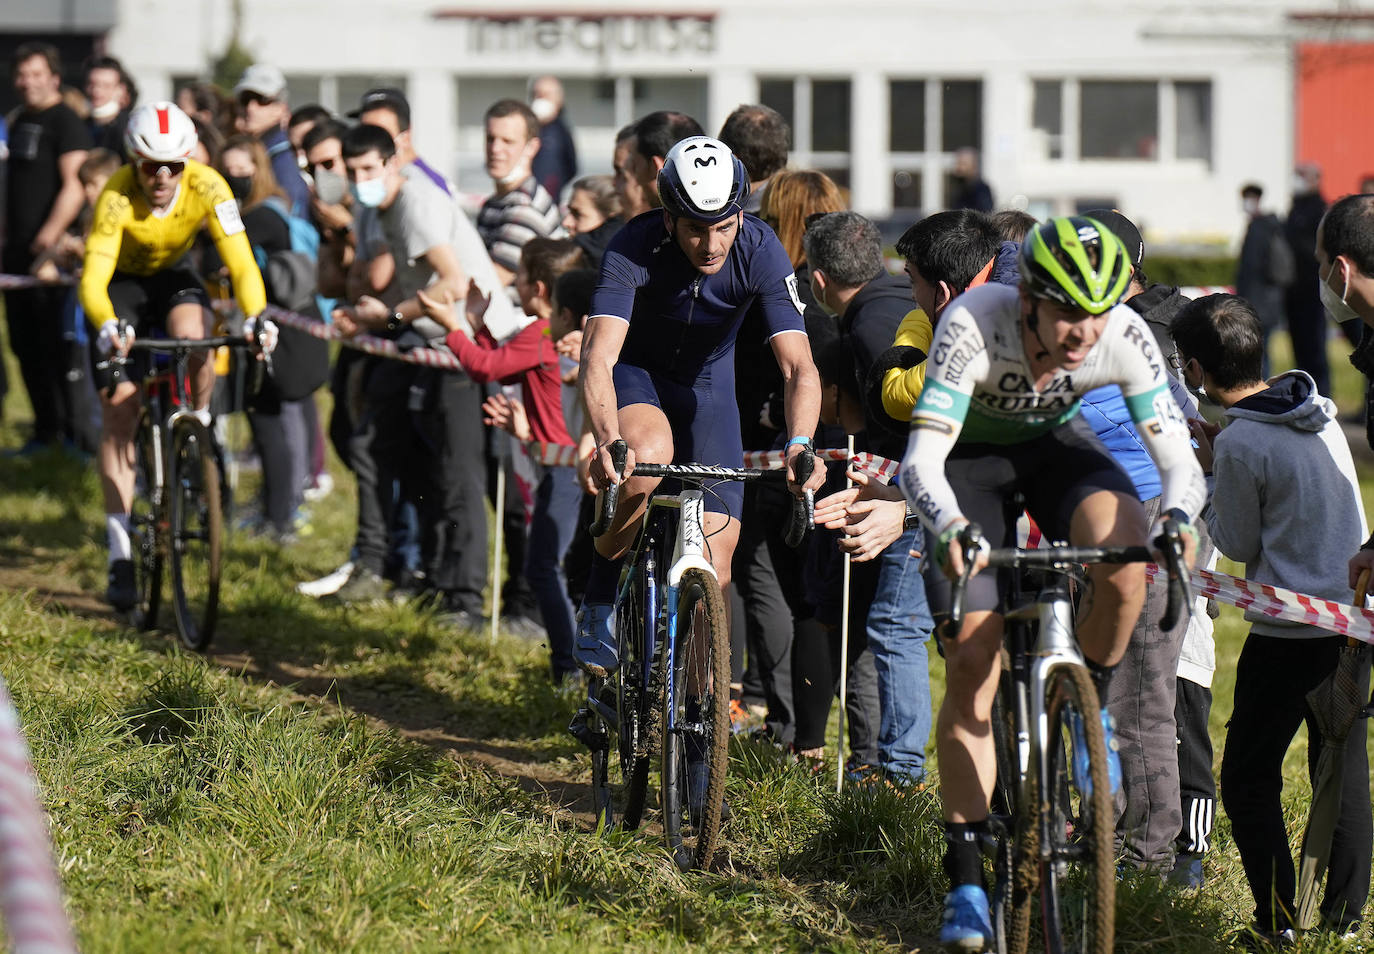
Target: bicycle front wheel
[(197, 523), (1078, 874), (143, 524), (697, 722)]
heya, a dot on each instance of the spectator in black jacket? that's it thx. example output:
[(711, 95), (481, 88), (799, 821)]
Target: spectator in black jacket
[(1306, 319), (1265, 268), (845, 255), (555, 165)]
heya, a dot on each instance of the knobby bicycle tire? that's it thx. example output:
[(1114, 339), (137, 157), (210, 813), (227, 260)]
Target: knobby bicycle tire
[(636, 703), (1078, 874), (197, 525), (701, 723), (1016, 862), (143, 525)]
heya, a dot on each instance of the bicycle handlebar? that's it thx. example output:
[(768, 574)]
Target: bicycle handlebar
[(1170, 544), (803, 509)]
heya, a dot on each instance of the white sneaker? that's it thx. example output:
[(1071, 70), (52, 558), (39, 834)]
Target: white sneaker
[(326, 585), (319, 488)]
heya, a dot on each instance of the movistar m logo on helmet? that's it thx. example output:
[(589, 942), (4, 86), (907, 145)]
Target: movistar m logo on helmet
[(1076, 261)]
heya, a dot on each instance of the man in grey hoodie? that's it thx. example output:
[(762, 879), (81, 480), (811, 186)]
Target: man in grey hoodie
[(1287, 505)]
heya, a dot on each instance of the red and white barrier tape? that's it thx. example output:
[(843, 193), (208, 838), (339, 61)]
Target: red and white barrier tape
[(563, 455), (20, 282), (30, 895)]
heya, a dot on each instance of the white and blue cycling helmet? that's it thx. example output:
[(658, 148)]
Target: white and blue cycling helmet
[(702, 179)]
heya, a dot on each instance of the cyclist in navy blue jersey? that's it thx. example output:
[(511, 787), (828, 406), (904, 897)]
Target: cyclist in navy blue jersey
[(658, 358)]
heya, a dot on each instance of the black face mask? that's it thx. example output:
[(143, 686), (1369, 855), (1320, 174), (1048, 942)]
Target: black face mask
[(241, 186)]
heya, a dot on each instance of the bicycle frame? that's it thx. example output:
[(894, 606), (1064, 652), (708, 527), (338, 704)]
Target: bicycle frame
[(689, 551), (1054, 646)]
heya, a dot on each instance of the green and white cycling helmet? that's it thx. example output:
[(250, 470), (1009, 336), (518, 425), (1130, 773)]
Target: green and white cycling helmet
[(1075, 261)]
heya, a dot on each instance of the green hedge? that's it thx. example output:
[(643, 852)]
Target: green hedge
[(1191, 270)]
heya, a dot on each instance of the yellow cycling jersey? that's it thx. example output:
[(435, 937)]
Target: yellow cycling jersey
[(129, 237), (901, 387)]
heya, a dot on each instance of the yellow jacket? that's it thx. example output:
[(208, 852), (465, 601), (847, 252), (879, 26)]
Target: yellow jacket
[(901, 387)]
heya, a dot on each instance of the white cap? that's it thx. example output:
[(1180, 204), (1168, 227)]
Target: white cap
[(264, 79)]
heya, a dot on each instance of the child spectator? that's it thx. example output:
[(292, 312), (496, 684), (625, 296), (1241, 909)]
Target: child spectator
[(1287, 505), (529, 359)]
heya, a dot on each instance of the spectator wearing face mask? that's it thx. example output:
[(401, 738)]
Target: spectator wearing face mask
[(555, 165), (111, 93), (1265, 267)]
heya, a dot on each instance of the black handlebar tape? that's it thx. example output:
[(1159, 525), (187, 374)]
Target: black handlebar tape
[(605, 512), (804, 508)]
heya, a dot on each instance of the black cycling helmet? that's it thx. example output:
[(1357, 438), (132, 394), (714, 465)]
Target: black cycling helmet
[(1075, 261), (702, 179)]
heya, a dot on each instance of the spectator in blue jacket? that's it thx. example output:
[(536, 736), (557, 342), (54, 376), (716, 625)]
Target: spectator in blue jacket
[(555, 165), (263, 113)]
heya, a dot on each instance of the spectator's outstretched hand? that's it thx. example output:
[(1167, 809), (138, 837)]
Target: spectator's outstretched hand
[(507, 414), (345, 321), (440, 309), (477, 304), (1204, 433), (1361, 561), (869, 515)]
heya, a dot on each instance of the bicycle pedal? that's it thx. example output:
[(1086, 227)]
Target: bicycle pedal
[(580, 729)]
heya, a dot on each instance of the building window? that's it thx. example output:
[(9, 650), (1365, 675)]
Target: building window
[(1047, 118), (928, 121), (1193, 120), (1156, 120), (1119, 119), (818, 112)]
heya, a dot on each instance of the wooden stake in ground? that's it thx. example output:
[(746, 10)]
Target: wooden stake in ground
[(844, 643), (497, 555)]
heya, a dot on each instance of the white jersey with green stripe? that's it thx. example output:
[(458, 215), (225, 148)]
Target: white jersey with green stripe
[(980, 388)]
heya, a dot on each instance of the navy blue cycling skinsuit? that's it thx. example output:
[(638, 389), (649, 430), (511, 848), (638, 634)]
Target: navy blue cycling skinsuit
[(679, 351)]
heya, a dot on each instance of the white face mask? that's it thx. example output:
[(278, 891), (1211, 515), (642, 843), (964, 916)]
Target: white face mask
[(371, 193), (1250, 206), (330, 187), (1336, 308), (544, 109), (106, 110), (820, 300)]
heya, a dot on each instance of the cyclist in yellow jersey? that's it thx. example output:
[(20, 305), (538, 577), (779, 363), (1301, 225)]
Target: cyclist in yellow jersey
[(135, 277)]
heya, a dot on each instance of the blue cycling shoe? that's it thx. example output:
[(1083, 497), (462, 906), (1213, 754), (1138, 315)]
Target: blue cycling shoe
[(595, 649), (968, 925), (1082, 775)]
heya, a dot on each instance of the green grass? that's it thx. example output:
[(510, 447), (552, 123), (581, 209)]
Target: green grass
[(370, 781)]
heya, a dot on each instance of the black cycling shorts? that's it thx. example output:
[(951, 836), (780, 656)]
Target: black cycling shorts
[(143, 301), (1055, 472)]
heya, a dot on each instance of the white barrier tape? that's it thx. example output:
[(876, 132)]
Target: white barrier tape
[(19, 282), (565, 455), (1201, 291), (1283, 605), (30, 895)]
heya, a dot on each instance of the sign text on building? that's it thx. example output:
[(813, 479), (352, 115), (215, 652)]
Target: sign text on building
[(595, 35)]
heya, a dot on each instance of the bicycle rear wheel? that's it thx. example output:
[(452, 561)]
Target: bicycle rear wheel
[(1078, 874), (197, 523), (143, 529), (697, 723)]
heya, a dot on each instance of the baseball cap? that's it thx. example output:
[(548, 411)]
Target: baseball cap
[(263, 79), (1124, 229), (384, 97)]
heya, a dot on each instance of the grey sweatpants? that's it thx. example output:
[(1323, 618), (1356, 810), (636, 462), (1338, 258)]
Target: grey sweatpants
[(1141, 700)]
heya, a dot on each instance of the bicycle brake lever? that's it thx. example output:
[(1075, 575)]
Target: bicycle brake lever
[(619, 452)]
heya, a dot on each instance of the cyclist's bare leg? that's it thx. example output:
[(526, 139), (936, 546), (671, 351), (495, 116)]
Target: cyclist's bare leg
[(963, 734), (645, 428), (189, 320), (1113, 603), (119, 420)]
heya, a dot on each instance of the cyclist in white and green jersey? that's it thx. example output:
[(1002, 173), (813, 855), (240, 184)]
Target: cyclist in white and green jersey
[(999, 415)]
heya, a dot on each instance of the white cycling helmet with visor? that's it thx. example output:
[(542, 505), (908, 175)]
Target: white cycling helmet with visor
[(160, 132)]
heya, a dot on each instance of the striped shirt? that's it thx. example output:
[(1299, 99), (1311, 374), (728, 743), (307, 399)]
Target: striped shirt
[(507, 222)]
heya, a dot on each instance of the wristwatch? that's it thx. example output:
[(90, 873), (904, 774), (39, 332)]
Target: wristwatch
[(394, 321), (912, 520)]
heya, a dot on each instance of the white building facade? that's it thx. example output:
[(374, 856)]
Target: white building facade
[(1162, 110)]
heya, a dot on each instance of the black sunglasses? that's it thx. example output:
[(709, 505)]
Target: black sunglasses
[(151, 167)]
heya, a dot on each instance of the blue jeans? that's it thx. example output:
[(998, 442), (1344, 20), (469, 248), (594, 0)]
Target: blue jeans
[(557, 503), (899, 623)]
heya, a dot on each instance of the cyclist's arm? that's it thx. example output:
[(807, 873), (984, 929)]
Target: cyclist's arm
[(782, 310), (226, 228), (1159, 419), (102, 254), (902, 384), (801, 382), (602, 338), (939, 417)]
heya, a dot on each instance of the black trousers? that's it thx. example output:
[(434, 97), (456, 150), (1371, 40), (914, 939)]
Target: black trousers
[(453, 515), (1273, 677), (1197, 786), (35, 322)]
